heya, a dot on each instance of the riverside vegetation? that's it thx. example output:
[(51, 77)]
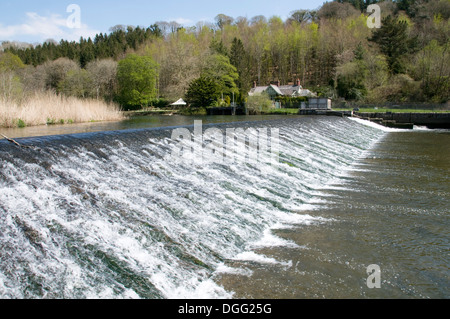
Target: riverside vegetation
[(330, 50)]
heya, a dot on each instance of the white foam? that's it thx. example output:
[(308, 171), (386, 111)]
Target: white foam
[(261, 259), (223, 269), (195, 289), (378, 126), (137, 218), (270, 240)]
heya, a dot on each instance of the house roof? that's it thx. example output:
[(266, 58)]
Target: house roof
[(257, 90), (276, 89), (179, 102), (289, 90), (308, 93), (284, 90)]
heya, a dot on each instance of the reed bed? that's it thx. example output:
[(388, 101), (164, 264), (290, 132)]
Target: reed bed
[(49, 108)]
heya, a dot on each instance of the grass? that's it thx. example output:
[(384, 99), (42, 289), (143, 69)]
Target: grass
[(362, 110), (281, 111), (193, 111), (384, 110), (151, 112), (49, 108)]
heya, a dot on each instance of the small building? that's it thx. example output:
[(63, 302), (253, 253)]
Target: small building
[(274, 90), (180, 102), (318, 103)]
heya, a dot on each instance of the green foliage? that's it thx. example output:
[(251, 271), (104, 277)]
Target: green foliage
[(394, 42), (330, 50), (51, 121), (10, 62), (291, 102), (198, 111), (137, 79), (202, 92), (432, 68), (241, 61), (76, 83), (259, 103), (350, 84), (21, 123), (102, 46), (219, 69), (159, 103)]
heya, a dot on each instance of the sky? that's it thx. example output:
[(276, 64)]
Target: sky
[(37, 21)]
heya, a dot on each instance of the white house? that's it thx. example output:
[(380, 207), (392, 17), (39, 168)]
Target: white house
[(275, 90)]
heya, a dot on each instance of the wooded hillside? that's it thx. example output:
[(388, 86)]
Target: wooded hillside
[(332, 51)]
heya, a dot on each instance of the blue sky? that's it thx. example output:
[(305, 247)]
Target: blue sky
[(37, 21)]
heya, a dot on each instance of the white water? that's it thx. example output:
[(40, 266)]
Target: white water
[(108, 216)]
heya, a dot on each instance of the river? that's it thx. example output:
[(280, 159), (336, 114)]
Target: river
[(102, 211)]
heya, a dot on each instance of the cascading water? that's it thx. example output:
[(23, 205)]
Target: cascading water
[(107, 215)]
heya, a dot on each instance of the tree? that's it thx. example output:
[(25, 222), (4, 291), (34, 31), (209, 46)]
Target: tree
[(56, 71), (137, 80), (222, 20), (351, 80), (10, 62), (104, 78), (202, 92), (258, 103), (432, 67), (336, 10), (76, 83), (393, 41), (219, 70), (240, 59), (303, 16)]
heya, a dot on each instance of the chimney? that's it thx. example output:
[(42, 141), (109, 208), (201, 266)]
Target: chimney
[(298, 82), (278, 83), (254, 84)]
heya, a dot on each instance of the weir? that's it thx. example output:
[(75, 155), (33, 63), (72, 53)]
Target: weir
[(109, 215), (408, 120)]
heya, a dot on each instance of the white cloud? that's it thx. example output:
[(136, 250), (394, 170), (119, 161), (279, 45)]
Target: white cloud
[(183, 21), (40, 28)]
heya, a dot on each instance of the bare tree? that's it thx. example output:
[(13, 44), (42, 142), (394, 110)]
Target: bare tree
[(104, 77), (164, 27), (336, 10), (302, 16), (174, 26), (10, 86), (222, 20), (258, 20), (56, 71)]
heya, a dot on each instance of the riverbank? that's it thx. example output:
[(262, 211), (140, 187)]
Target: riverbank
[(408, 120), (49, 108), (150, 112)]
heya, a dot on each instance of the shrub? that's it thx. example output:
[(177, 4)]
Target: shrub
[(21, 123)]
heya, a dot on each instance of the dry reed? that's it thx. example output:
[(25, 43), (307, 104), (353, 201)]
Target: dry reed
[(49, 108)]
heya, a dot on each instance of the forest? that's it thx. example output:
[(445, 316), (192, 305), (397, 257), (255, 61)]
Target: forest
[(331, 50)]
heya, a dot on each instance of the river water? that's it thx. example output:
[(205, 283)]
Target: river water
[(108, 214)]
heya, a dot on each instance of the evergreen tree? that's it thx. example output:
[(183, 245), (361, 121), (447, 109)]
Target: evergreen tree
[(202, 92), (239, 58), (393, 41), (219, 69)]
